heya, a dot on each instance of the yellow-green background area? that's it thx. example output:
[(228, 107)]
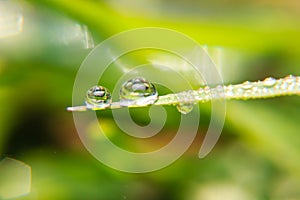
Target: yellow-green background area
[(257, 155)]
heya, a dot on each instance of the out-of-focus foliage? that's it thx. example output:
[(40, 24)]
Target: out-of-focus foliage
[(257, 156)]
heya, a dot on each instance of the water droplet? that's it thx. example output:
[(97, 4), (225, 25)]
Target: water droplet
[(217, 92), (98, 96), (284, 85), (247, 85), (229, 90), (187, 99), (254, 89), (207, 90), (265, 90), (138, 91), (290, 79), (238, 90), (200, 95), (292, 86), (270, 81), (185, 108)]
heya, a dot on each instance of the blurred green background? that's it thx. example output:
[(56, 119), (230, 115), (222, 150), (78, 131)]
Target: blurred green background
[(42, 45)]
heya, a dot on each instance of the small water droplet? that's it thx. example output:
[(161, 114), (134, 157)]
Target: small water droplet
[(254, 89), (98, 96), (138, 91), (217, 92), (292, 86), (290, 79), (207, 90), (247, 85), (284, 85), (270, 81), (229, 90), (265, 90), (238, 90), (185, 108)]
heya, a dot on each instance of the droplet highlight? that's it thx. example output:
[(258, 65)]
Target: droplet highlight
[(270, 81), (290, 79), (187, 99), (98, 96), (137, 91), (247, 85), (185, 108)]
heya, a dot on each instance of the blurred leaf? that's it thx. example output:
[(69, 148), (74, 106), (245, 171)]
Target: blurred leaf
[(269, 132)]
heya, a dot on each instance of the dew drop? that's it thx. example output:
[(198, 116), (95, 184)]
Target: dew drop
[(98, 96), (247, 85), (185, 108), (270, 81), (229, 90), (284, 85), (238, 90), (290, 79), (138, 91)]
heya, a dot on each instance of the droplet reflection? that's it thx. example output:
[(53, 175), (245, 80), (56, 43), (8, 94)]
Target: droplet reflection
[(138, 91), (98, 96), (185, 108), (270, 81)]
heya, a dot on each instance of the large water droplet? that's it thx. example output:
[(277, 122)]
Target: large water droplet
[(270, 81), (185, 108), (98, 96), (138, 91)]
